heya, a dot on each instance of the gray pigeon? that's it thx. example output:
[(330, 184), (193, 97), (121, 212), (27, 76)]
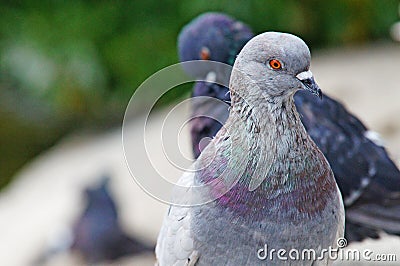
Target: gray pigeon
[(98, 236), (367, 177), (282, 192)]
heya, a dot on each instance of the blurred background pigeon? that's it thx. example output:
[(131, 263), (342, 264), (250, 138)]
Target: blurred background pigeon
[(368, 179), (216, 37), (97, 234), (212, 36)]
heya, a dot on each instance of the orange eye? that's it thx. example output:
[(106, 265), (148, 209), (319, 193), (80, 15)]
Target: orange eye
[(205, 53), (275, 64)]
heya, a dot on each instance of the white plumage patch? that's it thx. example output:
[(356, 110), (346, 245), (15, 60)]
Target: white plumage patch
[(355, 194), (211, 77), (374, 137), (175, 244)]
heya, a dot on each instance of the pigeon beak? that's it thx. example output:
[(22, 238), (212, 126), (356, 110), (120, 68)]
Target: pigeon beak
[(309, 83)]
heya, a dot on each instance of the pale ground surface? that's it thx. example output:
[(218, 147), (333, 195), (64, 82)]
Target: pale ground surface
[(46, 196)]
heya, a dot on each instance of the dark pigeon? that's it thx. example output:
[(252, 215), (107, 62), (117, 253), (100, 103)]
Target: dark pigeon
[(207, 112), (212, 36), (367, 177), (216, 37), (98, 236)]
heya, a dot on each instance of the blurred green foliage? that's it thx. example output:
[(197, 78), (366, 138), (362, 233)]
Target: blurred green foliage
[(68, 64)]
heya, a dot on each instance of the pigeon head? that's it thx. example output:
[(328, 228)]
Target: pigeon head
[(214, 37), (277, 64)]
